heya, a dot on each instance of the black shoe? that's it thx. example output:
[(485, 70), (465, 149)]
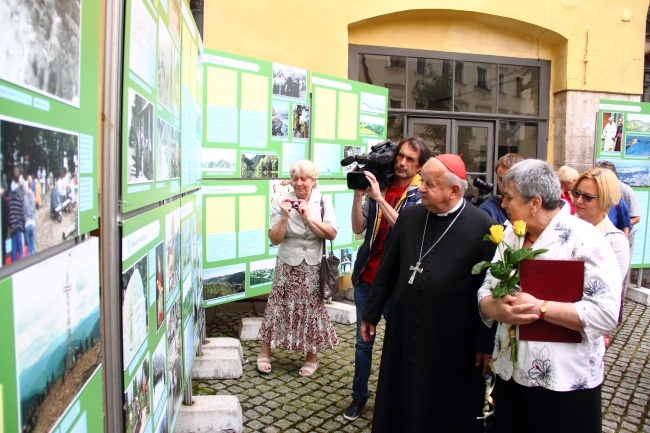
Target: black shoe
[(353, 411)]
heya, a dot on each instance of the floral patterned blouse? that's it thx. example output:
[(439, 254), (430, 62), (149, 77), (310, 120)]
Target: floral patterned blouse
[(566, 366)]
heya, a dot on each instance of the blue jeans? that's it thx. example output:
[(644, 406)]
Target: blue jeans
[(16, 245), (29, 239), (363, 352)]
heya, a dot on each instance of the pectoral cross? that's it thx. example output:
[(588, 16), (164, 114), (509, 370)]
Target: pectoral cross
[(415, 269)]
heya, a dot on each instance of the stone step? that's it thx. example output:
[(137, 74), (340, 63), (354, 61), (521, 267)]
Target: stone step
[(640, 295), (342, 313), (249, 327), (223, 343), (210, 414), (218, 364)]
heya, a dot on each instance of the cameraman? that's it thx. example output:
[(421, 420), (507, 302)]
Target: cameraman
[(493, 204), (376, 215)]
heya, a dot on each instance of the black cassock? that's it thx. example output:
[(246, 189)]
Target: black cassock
[(427, 378)]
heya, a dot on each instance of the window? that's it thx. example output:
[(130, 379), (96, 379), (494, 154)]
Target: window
[(459, 72), (502, 83), (519, 84), (420, 66), (481, 78), (397, 62)]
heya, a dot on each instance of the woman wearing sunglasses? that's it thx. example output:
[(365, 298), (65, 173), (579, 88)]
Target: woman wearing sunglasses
[(597, 191)]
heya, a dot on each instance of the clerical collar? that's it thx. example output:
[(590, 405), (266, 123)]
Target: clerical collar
[(454, 209)]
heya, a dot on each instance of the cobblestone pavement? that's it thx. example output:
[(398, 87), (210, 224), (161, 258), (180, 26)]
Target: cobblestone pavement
[(285, 402)]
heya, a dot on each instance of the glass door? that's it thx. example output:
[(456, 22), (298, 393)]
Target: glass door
[(436, 133)]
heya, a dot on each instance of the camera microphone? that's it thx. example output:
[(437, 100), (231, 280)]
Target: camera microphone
[(348, 160)]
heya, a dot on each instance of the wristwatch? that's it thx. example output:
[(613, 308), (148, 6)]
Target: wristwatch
[(542, 309)]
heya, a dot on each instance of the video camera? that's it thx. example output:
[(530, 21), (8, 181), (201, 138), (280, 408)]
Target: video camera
[(484, 189), (380, 162)]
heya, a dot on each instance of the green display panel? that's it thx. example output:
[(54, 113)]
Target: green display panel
[(161, 103), (348, 118), (625, 141), (49, 121), (161, 311), (51, 375), (238, 258), (256, 117)]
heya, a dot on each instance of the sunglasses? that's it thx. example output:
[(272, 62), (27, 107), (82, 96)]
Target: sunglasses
[(585, 197)]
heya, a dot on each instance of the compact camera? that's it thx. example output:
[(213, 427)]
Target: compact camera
[(295, 203)]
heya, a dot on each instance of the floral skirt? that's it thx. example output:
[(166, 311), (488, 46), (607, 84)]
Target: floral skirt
[(296, 318)]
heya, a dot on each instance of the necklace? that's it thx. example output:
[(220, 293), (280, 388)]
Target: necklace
[(417, 268)]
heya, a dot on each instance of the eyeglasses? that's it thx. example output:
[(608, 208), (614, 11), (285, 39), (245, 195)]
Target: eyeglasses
[(587, 198)]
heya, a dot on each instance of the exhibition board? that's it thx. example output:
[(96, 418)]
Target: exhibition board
[(161, 316), (625, 141), (51, 357), (162, 103), (238, 258), (49, 122), (256, 117), (348, 118)]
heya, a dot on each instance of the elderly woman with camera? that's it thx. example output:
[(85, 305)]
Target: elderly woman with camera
[(296, 318), (558, 378)]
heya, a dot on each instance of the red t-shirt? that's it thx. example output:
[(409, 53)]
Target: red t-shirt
[(392, 198)]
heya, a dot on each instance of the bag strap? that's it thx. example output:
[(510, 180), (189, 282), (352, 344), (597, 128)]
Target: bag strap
[(322, 215)]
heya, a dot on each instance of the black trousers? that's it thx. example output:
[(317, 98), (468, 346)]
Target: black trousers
[(522, 409)]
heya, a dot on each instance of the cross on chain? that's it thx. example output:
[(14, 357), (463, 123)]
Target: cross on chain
[(415, 269)]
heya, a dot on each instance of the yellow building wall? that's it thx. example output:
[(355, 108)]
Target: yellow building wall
[(594, 45)]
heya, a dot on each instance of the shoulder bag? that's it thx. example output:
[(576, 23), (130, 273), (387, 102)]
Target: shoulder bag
[(329, 268)]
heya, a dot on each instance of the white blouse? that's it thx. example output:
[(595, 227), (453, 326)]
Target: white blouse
[(300, 243), (566, 366)]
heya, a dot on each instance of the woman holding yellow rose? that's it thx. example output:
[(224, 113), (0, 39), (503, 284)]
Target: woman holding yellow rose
[(562, 379)]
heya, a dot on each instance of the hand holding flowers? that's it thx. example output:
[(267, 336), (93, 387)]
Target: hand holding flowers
[(506, 270)]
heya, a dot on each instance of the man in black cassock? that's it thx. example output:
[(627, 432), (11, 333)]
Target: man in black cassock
[(435, 347)]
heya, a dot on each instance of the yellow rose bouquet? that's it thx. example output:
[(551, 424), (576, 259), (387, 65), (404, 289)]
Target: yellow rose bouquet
[(506, 270)]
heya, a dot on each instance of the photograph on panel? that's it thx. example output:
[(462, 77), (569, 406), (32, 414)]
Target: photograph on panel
[(346, 261), (256, 165), (39, 188), (137, 400), (187, 242), (637, 135), (222, 161), (289, 81), (40, 46), (162, 426), (262, 272), (167, 151), (611, 132), (280, 118), (224, 281), (165, 66), (161, 272), (135, 320), (188, 344), (301, 121), (159, 372), (140, 159), (174, 366), (175, 18), (57, 333), (142, 50), (173, 242), (350, 154), (633, 172)]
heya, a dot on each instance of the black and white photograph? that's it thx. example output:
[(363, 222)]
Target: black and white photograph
[(134, 309), (224, 281), (174, 361), (140, 159), (41, 46), (351, 151), (159, 372), (300, 121), (289, 81), (259, 165), (39, 187), (142, 52), (167, 151), (173, 245), (137, 400), (57, 334), (280, 119), (346, 261), (219, 160), (160, 284)]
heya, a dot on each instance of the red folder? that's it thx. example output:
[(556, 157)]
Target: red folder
[(553, 280)]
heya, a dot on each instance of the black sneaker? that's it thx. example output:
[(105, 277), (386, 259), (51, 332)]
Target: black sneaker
[(353, 411)]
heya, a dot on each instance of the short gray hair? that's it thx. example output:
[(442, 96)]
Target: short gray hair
[(306, 166), (452, 179), (535, 178)]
